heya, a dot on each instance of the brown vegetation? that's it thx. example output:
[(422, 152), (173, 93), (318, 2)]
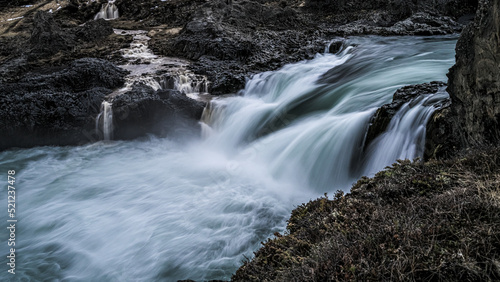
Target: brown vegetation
[(436, 221)]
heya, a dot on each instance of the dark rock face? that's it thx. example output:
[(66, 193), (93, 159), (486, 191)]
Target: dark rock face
[(145, 111), (45, 40), (57, 108), (441, 139), (47, 37), (474, 81), (394, 10), (474, 85), (94, 30), (383, 116), (417, 24), (14, 3)]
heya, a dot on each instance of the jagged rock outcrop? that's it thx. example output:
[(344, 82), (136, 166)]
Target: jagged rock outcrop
[(393, 10), (473, 117), (47, 37), (58, 107), (418, 24), (43, 39), (474, 81)]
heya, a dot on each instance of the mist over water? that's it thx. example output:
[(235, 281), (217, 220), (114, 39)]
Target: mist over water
[(175, 208)]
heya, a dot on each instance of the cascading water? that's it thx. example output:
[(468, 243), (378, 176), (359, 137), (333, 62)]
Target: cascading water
[(310, 119), (164, 209), (104, 121), (405, 135), (144, 66), (108, 11)]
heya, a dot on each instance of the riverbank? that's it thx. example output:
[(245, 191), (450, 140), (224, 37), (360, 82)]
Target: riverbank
[(412, 222), (420, 221), (201, 204)]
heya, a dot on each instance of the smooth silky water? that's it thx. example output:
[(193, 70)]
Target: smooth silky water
[(177, 208)]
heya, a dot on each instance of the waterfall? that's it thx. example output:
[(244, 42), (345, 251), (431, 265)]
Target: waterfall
[(405, 134), (194, 208), (104, 121), (308, 121), (108, 11)]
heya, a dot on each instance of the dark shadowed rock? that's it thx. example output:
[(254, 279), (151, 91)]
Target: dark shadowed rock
[(473, 118), (80, 75), (47, 37), (226, 76), (94, 30), (474, 81), (144, 111), (57, 107)]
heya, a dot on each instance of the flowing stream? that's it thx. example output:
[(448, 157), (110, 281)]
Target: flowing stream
[(177, 208)]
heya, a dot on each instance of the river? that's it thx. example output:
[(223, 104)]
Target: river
[(188, 208)]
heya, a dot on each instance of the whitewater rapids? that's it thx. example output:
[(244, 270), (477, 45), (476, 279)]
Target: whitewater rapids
[(183, 208)]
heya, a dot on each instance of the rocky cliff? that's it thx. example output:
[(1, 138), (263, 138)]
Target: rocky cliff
[(473, 118), (474, 81)]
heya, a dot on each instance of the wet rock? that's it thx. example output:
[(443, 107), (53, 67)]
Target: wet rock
[(392, 10), (143, 111), (473, 118), (13, 69), (384, 115), (58, 106), (49, 39), (335, 46)]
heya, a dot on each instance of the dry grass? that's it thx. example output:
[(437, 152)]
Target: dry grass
[(437, 221)]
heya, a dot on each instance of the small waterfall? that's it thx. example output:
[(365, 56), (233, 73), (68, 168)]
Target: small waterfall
[(108, 11), (104, 121), (211, 117), (160, 72), (185, 82), (405, 134)]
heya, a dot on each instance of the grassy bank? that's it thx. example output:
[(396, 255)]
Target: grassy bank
[(438, 220)]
